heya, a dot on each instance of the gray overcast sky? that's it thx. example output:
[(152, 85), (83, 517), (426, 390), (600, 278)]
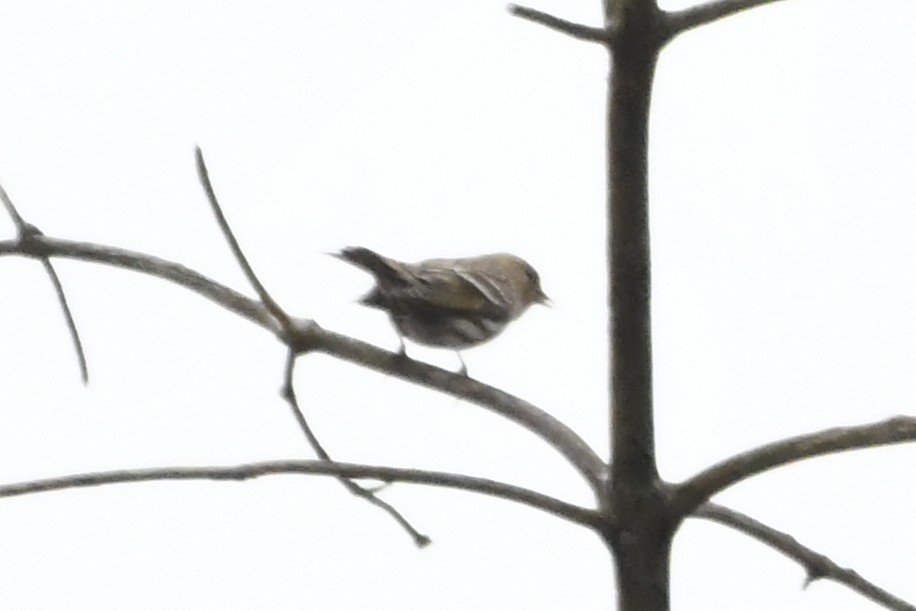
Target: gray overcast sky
[(783, 256)]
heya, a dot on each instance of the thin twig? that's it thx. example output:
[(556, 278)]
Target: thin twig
[(68, 316), (574, 513), (555, 433), (272, 306), (11, 210), (27, 232), (705, 484), (702, 14), (289, 393), (576, 30), (816, 565)]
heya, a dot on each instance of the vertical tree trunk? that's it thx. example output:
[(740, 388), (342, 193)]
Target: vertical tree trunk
[(642, 532), (633, 435), (642, 565)]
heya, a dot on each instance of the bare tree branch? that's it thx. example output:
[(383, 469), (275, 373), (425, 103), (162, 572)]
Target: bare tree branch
[(367, 493), (695, 16), (695, 491), (230, 299), (272, 306), (816, 565), (557, 434), (576, 30), (573, 513), (27, 232), (308, 335)]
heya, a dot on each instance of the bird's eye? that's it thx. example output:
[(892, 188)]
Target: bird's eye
[(532, 275)]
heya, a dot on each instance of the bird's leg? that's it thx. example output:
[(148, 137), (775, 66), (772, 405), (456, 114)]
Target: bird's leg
[(464, 368), (402, 349)]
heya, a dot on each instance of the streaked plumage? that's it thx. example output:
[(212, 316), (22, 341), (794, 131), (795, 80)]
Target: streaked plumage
[(451, 303)]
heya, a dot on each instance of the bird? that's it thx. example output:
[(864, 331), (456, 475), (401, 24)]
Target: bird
[(449, 303)]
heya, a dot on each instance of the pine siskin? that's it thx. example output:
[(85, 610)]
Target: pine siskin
[(450, 303)]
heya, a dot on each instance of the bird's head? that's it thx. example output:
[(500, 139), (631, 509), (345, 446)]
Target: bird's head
[(522, 281)]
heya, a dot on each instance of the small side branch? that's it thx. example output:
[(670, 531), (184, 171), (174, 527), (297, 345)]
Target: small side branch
[(573, 513), (816, 565), (20, 223), (576, 30), (68, 318), (269, 302), (27, 232), (699, 488), (289, 393), (695, 16)]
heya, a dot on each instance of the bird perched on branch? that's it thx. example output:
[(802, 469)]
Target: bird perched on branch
[(449, 303)]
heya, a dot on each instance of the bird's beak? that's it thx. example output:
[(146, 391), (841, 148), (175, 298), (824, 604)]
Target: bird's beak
[(543, 299)]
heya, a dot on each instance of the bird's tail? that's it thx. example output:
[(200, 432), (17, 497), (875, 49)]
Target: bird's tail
[(382, 268)]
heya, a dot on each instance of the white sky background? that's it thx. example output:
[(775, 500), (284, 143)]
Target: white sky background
[(783, 258)]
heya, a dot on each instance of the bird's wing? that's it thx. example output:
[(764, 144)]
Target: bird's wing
[(489, 289), (456, 291)]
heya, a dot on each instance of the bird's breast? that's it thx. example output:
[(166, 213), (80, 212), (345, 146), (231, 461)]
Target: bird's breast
[(448, 331)]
